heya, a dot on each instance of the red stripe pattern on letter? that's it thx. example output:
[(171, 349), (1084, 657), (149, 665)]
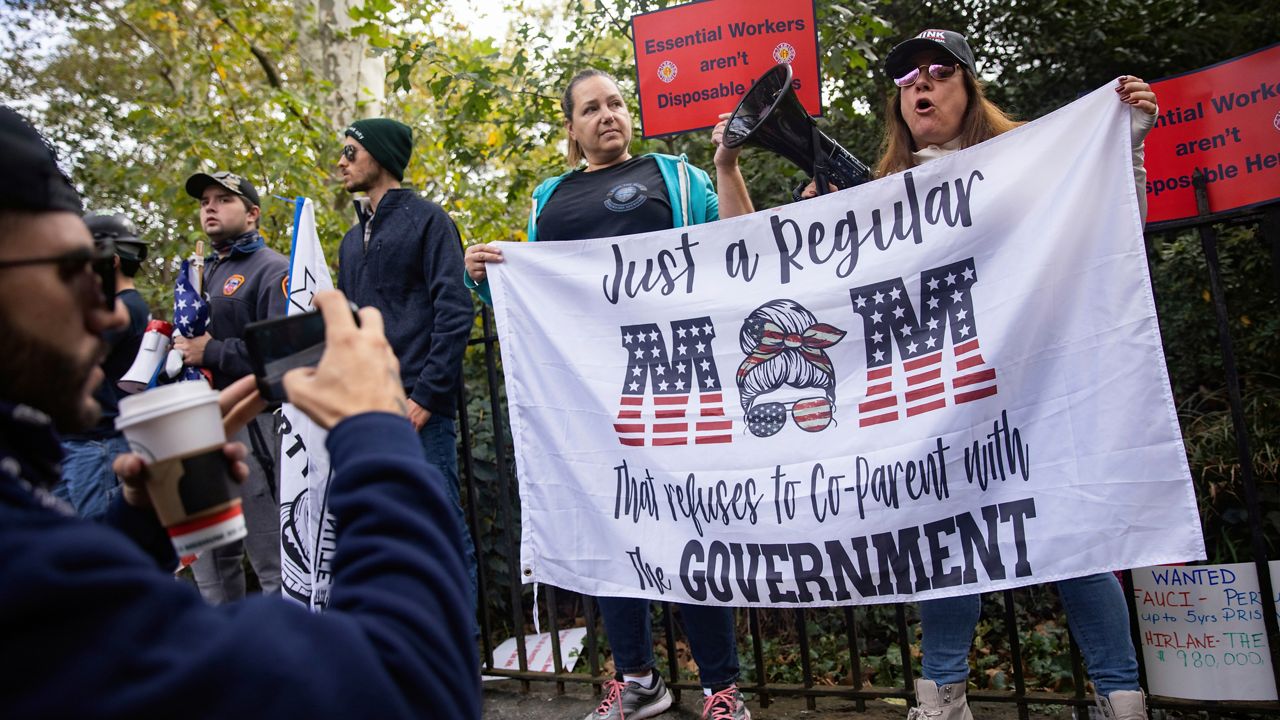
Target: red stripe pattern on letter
[(924, 375), (671, 397)]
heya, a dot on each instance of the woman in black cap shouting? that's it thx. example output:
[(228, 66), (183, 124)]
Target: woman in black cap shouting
[(940, 108)]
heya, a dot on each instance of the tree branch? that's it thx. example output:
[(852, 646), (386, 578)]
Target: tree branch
[(166, 67), (235, 115), (268, 67)]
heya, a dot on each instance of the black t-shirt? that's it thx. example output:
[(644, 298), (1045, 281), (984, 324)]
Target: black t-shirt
[(625, 199), (123, 345)]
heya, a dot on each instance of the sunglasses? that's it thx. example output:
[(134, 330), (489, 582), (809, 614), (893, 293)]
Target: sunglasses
[(811, 414), (71, 267), (349, 152), (937, 71)]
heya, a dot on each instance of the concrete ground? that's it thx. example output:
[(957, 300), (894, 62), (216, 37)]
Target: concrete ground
[(504, 700)]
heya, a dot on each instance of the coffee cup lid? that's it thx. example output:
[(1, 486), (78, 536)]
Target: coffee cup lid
[(163, 400)]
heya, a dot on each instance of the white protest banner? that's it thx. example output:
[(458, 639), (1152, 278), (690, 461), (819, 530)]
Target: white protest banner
[(945, 381), (306, 527), (1202, 632)]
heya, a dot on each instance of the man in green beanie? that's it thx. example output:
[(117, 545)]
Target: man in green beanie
[(404, 257)]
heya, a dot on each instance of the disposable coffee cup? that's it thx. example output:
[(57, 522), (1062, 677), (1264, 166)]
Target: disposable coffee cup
[(177, 429)]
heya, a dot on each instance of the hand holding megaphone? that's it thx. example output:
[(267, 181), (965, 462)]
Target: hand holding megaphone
[(771, 116)]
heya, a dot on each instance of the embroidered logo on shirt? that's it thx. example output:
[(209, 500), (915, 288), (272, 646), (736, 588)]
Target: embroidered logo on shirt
[(233, 284), (627, 196)]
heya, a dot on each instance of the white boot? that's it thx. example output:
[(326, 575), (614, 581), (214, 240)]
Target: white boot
[(1123, 705), (940, 702)]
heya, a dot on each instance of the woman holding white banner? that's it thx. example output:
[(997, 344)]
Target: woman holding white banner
[(618, 194), (940, 108)]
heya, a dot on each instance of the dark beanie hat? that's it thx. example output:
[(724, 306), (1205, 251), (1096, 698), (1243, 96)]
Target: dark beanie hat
[(388, 141), (30, 179)]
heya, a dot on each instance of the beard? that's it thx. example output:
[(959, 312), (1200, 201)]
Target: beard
[(356, 183), (48, 378)]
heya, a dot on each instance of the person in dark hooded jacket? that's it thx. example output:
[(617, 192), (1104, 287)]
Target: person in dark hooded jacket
[(94, 624)]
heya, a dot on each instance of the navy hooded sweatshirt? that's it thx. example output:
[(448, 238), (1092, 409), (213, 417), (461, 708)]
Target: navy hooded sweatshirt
[(95, 626)]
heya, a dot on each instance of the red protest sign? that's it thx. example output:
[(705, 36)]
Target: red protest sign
[(695, 61), (1224, 120)]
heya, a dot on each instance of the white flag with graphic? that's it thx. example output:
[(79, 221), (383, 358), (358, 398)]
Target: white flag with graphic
[(945, 381), (306, 527)]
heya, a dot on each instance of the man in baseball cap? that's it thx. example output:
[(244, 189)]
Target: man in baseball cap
[(948, 41), (198, 183), (88, 483), (244, 280)]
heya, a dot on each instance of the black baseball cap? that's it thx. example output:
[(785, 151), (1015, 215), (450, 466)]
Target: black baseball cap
[(117, 229), (198, 183), (952, 43)]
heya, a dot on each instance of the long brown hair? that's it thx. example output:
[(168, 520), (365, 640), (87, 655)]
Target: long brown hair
[(573, 153), (983, 120)]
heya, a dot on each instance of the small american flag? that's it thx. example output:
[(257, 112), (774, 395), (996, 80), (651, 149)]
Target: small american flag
[(671, 398), (925, 381), (190, 311)]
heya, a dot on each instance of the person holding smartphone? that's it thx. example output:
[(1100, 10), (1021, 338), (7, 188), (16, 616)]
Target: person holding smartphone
[(94, 625), (87, 480)]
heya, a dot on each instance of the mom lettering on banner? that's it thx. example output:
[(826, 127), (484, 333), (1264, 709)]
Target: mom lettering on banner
[(675, 397)]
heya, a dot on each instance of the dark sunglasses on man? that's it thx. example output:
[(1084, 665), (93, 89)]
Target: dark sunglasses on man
[(72, 266), (937, 71), (349, 152)]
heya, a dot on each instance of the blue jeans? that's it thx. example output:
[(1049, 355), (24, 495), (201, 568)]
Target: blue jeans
[(88, 482), (1096, 613), (710, 630), (440, 444)]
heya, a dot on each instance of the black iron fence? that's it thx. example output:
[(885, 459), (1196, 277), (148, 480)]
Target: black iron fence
[(862, 635)]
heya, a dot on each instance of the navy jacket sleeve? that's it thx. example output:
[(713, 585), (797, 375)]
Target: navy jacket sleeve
[(450, 304), (230, 355), (91, 629), (145, 530)]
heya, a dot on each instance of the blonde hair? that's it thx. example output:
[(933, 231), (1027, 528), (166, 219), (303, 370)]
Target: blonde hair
[(573, 152), (982, 120)]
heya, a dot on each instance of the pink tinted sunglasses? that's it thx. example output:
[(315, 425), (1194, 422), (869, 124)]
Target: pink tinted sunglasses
[(937, 71)]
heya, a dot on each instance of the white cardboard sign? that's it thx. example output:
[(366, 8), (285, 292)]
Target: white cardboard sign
[(1202, 632), (538, 651)]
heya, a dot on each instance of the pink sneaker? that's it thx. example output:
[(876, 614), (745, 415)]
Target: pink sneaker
[(725, 705)]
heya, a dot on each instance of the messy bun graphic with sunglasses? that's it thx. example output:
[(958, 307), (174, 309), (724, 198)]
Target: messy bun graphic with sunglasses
[(785, 345)]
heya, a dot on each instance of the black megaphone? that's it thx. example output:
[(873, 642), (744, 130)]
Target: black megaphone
[(771, 116)]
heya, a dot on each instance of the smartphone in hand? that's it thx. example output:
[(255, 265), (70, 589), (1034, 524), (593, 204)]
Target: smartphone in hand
[(279, 345)]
